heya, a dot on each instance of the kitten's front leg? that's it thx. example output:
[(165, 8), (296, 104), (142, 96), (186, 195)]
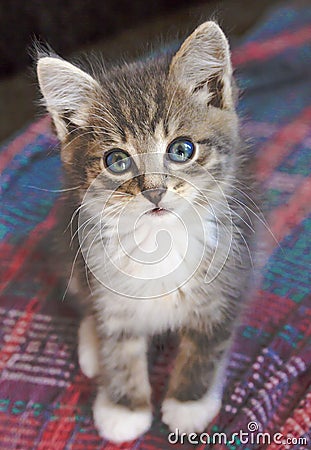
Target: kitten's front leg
[(195, 390), (122, 409), (88, 347)]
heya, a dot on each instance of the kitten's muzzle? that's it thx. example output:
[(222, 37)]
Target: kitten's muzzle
[(154, 195)]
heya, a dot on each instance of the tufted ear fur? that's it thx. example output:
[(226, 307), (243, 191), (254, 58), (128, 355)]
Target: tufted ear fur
[(202, 66), (67, 91)]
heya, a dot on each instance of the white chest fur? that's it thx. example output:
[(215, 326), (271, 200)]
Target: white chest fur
[(147, 280), (160, 256)]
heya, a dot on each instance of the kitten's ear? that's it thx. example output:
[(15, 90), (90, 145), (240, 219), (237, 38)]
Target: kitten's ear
[(67, 91), (202, 66)]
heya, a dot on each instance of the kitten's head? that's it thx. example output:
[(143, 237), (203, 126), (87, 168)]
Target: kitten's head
[(158, 130)]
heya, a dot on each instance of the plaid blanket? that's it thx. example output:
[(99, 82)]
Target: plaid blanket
[(45, 401)]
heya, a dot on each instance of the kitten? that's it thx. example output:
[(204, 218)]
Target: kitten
[(159, 205)]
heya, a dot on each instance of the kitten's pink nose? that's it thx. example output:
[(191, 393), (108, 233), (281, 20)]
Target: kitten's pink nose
[(154, 195)]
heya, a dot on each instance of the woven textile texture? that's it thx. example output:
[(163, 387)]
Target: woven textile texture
[(45, 401)]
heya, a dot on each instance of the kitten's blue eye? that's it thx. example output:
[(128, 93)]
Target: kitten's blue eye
[(118, 161), (180, 150)]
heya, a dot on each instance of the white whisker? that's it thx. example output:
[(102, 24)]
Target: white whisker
[(53, 190)]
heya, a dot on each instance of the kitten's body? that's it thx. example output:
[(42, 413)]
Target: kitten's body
[(197, 287)]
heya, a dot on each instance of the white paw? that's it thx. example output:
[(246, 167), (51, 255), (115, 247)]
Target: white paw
[(192, 416), (117, 423), (88, 348)]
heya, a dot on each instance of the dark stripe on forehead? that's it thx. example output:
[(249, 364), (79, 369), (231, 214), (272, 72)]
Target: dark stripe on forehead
[(117, 111), (165, 128), (106, 124), (159, 100), (140, 108), (179, 130)]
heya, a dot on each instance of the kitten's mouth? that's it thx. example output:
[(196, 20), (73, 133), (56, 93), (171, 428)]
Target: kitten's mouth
[(157, 211)]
